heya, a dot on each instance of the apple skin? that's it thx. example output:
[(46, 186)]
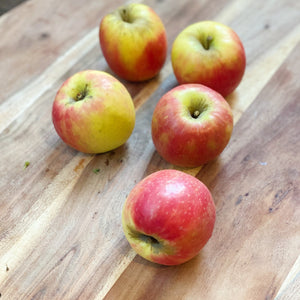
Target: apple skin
[(133, 41), (209, 53), (191, 125), (93, 112), (168, 217)]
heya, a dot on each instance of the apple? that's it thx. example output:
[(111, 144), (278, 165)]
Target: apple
[(133, 42), (93, 112), (209, 53), (191, 125), (168, 217)]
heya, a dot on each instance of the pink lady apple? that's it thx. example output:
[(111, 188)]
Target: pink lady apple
[(93, 112), (191, 125), (168, 217), (211, 54), (133, 41)]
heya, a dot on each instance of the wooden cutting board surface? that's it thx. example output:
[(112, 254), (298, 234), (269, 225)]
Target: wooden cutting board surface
[(60, 229)]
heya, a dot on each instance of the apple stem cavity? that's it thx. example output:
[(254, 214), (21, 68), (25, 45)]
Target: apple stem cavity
[(125, 15), (82, 94), (197, 108), (207, 42), (149, 239)]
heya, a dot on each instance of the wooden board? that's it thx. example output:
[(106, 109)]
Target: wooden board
[(60, 230)]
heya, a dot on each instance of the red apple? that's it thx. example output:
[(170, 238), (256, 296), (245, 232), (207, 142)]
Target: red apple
[(168, 217), (93, 112), (133, 41), (191, 125), (211, 54)]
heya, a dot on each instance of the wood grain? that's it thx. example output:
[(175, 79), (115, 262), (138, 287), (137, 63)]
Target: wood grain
[(60, 230), (290, 288)]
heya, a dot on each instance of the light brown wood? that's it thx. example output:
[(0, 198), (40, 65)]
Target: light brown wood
[(60, 230)]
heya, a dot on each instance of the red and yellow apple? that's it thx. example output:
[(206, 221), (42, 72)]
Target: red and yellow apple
[(209, 53), (133, 42), (191, 125), (93, 112), (168, 217)]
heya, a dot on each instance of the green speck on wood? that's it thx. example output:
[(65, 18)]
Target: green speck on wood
[(26, 164), (96, 171)]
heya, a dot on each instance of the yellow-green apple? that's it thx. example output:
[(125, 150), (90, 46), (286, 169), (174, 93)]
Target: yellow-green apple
[(191, 125), (133, 41), (93, 112), (209, 53), (168, 217)]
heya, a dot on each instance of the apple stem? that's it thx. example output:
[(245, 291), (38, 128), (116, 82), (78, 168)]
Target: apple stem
[(196, 114), (79, 96), (125, 16), (207, 42), (82, 94)]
